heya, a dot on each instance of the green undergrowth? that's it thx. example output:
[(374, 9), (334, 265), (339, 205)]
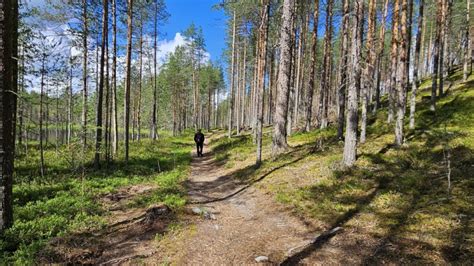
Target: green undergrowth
[(66, 200), (393, 195)]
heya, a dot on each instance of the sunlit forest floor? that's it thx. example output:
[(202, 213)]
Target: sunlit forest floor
[(395, 206)]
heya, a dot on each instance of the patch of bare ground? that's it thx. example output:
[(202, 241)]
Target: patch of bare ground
[(128, 235)]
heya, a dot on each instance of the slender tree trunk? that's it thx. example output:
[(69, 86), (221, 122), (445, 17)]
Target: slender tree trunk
[(298, 75), (244, 85), (231, 93), (394, 61), (311, 86), (436, 53), (380, 53), (416, 64), (127, 77), (69, 104), (343, 70), (85, 35), (369, 70), (350, 140), (100, 92), (402, 74), (154, 127), (326, 69), (140, 79), (467, 43), (41, 132), (115, 132), (262, 57), (283, 87)]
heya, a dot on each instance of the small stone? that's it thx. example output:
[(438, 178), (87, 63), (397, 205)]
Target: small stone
[(261, 259), (196, 211)]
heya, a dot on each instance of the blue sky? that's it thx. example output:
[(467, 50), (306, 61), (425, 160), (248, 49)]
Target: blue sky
[(184, 12)]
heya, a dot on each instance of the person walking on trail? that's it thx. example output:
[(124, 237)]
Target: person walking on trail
[(199, 139)]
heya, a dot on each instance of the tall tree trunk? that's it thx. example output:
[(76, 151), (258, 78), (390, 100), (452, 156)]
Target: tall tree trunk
[(402, 73), (69, 103), (380, 52), (262, 57), (343, 71), (140, 79), (326, 68), (369, 69), (100, 92), (8, 104), (85, 34), (127, 77), (41, 114), (115, 132), (311, 86), (467, 43), (436, 53), (350, 140), (416, 63), (394, 60), (283, 87), (154, 126), (244, 85), (231, 93)]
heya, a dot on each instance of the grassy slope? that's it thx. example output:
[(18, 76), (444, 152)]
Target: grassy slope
[(65, 201), (395, 202)]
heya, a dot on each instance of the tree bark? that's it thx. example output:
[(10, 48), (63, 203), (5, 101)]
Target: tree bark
[(115, 135), (350, 140), (394, 60), (311, 86), (326, 68), (100, 92), (231, 93), (369, 70), (436, 53), (467, 44), (402, 74), (127, 77), (262, 57), (283, 87), (343, 71), (8, 105), (380, 52), (85, 34), (416, 63)]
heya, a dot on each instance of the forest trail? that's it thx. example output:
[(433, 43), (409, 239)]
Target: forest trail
[(236, 229)]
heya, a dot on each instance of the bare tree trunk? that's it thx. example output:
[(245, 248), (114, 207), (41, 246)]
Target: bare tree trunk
[(115, 136), (283, 87), (140, 80), (154, 126), (127, 77), (369, 70), (402, 74), (436, 53), (41, 132), (350, 140), (262, 57), (237, 92), (244, 87), (231, 94), (100, 92), (8, 105), (416, 64), (394, 61), (69, 104), (326, 69), (85, 34), (343, 70), (311, 86), (380, 52), (467, 43)]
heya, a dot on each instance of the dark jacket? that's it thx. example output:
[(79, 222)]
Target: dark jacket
[(199, 137)]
